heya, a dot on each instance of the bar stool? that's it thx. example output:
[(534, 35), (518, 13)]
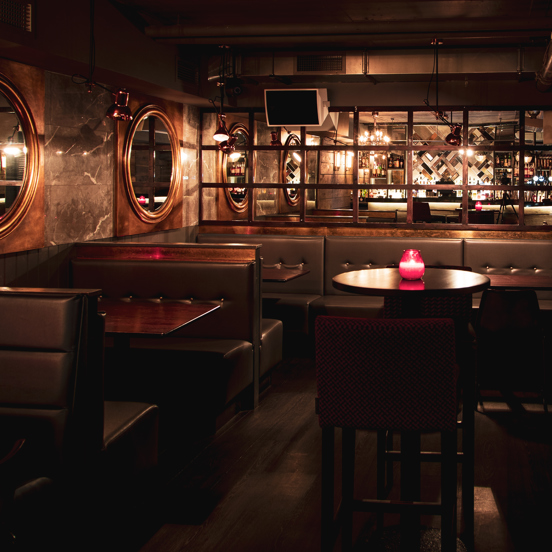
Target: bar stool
[(510, 345), (459, 309), (375, 374)]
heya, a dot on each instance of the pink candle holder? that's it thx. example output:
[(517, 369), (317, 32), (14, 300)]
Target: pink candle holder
[(411, 265), (412, 285), (478, 205)]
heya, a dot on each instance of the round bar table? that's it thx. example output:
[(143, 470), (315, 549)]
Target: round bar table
[(388, 281)]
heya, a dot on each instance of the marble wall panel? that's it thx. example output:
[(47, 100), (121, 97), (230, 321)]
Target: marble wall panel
[(78, 162), (190, 166)]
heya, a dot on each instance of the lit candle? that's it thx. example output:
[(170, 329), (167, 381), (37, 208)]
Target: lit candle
[(411, 265), (478, 205)]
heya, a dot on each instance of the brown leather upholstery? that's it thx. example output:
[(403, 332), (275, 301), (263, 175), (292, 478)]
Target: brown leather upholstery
[(206, 367), (286, 301), (51, 394)]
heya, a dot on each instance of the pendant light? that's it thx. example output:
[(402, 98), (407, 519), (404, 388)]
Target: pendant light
[(454, 138), (221, 134), (119, 111)]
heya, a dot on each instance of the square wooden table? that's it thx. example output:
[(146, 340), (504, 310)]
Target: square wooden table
[(126, 318)]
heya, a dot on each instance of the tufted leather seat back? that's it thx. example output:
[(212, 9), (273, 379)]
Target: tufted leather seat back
[(228, 283), (346, 253)]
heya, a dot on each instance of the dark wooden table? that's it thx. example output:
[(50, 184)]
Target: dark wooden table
[(388, 281), (520, 281), (150, 318), (274, 274)]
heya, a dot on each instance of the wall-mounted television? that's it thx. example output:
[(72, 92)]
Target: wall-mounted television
[(296, 107)]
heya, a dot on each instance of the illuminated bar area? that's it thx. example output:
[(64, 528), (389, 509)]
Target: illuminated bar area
[(383, 168)]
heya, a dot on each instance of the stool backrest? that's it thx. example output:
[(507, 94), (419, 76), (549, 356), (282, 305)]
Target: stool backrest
[(386, 374)]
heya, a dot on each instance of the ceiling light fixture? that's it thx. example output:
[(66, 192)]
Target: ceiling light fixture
[(221, 134), (377, 138), (119, 111), (227, 143), (455, 137)]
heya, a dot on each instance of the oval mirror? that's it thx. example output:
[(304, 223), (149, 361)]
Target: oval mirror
[(19, 157), (235, 168), (291, 168), (151, 164)]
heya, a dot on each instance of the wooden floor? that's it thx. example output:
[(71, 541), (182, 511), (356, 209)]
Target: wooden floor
[(255, 486)]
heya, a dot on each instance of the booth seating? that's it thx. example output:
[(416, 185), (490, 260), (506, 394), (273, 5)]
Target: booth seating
[(302, 300), (286, 301), (79, 453), (512, 257), (205, 369)]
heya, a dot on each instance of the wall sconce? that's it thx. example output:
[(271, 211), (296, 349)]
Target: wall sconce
[(350, 157), (411, 265), (337, 159)]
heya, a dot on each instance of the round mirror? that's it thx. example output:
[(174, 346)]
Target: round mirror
[(291, 168), (235, 169), (151, 168), (18, 157)]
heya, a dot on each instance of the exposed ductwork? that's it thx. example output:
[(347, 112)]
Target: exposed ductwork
[(387, 66)]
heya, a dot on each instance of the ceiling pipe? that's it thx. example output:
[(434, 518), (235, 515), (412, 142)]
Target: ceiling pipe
[(544, 76), (305, 33)]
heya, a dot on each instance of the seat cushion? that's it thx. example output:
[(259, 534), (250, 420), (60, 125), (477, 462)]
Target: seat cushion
[(291, 308), (130, 438), (272, 337), (348, 305), (188, 369)]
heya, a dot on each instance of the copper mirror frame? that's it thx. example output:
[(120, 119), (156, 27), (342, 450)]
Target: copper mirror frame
[(292, 195), (29, 186), (176, 175), (237, 203)]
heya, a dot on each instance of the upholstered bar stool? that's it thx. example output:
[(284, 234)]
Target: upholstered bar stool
[(510, 346), (375, 374), (459, 309)]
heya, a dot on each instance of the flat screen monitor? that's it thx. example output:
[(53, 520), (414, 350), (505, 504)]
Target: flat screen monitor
[(296, 107)]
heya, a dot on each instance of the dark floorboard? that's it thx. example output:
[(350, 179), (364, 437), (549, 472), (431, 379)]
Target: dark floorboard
[(255, 485)]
